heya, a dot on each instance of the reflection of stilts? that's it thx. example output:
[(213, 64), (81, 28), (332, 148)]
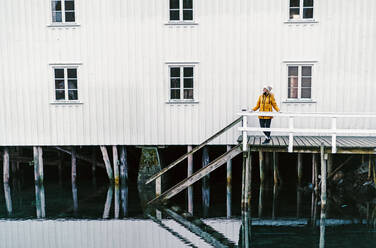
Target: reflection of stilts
[(8, 198), (117, 201), (322, 228), (261, 200), (275, 196), (75, 198), (245, 230), (107, 205), (313, 209), (40, 201), (124, 199)]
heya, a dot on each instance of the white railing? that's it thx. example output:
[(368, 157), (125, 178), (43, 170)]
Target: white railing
[(333, 131)]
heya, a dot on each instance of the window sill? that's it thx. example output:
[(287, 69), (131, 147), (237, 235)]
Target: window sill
[(181, 23), (299, 101), (301, 21), (63, 25), (182, 102), (66, 103)]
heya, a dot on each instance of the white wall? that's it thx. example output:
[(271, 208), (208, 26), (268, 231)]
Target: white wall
[(123, 47)]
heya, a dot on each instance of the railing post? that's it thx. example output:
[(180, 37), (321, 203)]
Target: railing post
[(244, 125), (291, 137), (334, 135)]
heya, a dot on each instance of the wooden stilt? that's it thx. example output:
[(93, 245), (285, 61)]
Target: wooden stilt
[(228, 185), (74, 164), (274, 204), (248, 178), (243, 203), (116, 164), (189, 173), (123, 165), (276, 175), (8, 198), (93, 161), (316, 168), (40, 201), (262, 167), (117, 201), (36, 164), (299, 194), (6, 165), (107, 163), (261, 201), (300, 168), (330, 163), (107, 205), (124, 198), (75, 197), (205, 183), (370, 167), (40, 158), (323, 177)]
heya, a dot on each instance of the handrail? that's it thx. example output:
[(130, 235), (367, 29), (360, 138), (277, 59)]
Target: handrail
[(195, 149), (313, 114)]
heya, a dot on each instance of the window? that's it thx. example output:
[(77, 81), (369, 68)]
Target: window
[(181, 10), (299, 81), (63, 11), (181, 83), (66, 84), (301, 9)]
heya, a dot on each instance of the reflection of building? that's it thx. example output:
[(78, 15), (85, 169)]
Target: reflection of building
[(174, 72)]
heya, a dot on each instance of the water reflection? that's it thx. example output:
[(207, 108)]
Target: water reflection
[(8, 199), (40, 201), (322, 228), (75, 198)]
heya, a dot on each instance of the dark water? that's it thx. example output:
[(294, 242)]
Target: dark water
[(93, 214)]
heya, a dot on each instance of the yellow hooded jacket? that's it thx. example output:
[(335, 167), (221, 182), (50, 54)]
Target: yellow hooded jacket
[(266, 103)]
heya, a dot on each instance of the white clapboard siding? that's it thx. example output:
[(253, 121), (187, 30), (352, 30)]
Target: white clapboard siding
[(123, 46)]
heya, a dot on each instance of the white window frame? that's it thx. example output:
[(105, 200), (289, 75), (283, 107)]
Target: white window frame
[(312, 64), (63, 23), (66, 96), (195, 82), (181, 21), (301, 8)]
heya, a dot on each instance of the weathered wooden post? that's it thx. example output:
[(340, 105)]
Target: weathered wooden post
[(123, 165), (93, 161), (228, 185), (315, 165), (74, 165), (116, 164), (189, 173), (276, 175), (330, 163), (8, 198), (117, 201), (323, 177), (107, 205), (36, 164), (300, 168), (40, 201), (6, 165), (107, 163), (40, 159), (370, 167), (322, 227), (205, 183), (262, 167), (299, 194), (248, 178), (261, 200), (274, 203), (75, 197), (124, 198)]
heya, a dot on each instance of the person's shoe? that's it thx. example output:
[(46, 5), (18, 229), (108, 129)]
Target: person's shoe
[(266, 141)]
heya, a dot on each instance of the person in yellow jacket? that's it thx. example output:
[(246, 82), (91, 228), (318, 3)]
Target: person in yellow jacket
[(266, 103)]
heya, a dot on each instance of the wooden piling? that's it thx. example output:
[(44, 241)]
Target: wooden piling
[(124, 198), (6, 165), (36, 164), (40, 159), (123, 165), (205, 182), (75, 198), (323, 177), (330, 163), (189, 173), (261, 200), (74, 165), (262, 167), (116, 164), (315, 165), (243, 204), (107, 163), (8, 198), (300, 168), (248, 179), (370, 167), (107, 205), (117, 201), (228, 185), (276, 175)]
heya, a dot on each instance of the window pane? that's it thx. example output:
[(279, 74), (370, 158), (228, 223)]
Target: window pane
[(175, 94), (175, 71), (60, 95), (294, 3), (174, 4), (308, 3), (72, 73), (59, 84), (72, 84), (293, 82), (293, 71), (306, 82), (306, 92), (69, 17), (293, 92), (187, 15), (59, 73), (175, 83), (174, 15), (69, 5), (188, 82), (72, 95), (294, 13), (56, 16), (188, 71), (187, 4), (56, 5), (307, 13), (307, 71), (188, 94)]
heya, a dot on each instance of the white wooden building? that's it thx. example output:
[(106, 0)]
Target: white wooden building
[(94, 72)]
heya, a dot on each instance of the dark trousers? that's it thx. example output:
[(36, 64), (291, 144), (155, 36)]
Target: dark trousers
[(266, 124)]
